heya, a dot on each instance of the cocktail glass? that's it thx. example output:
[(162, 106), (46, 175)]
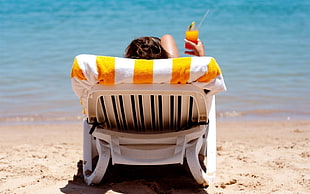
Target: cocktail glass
[(191, 35)]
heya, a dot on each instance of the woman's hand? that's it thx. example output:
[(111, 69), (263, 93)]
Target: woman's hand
[(198, 48)]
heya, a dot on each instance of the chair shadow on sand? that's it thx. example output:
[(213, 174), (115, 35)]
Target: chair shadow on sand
[(129, 179)]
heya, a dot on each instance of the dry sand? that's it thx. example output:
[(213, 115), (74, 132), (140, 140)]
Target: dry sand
[(253, 157)]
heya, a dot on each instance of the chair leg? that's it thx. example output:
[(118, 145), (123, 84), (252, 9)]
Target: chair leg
[(87, 149), (211, 144), (193, 162), (103, 161)]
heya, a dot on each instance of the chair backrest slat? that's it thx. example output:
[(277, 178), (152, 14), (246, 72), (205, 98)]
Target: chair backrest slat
[(172, 112), (160, 112), (104, 112)]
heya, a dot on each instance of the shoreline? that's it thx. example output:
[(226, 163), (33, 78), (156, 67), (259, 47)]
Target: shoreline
[(253, 156), (76, 119)]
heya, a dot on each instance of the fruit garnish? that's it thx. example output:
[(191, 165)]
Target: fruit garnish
[(191, 26)]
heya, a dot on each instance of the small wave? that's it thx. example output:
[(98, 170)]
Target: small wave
[(263, 114), (230, 114), (38, 119)]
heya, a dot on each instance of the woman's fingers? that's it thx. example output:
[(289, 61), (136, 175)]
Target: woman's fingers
[(198, 49)]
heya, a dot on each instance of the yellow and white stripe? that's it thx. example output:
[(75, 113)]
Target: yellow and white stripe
[(89, 70)]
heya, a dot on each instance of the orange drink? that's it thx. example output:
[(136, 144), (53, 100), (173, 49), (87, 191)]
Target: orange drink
[(191, 35)]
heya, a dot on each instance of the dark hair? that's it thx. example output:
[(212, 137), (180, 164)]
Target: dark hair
[(146, 48)]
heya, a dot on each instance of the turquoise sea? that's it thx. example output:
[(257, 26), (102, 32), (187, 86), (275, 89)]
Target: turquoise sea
[(262, 47)]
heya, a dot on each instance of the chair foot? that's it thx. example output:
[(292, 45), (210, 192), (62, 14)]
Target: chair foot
[(103, 161), (194, 165)]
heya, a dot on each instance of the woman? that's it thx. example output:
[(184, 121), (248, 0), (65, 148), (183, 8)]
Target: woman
[(163, 48)]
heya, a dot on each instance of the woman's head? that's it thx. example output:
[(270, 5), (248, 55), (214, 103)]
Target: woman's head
[(146, 48)]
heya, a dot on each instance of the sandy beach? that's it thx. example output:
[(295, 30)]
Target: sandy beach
[(253, 157)]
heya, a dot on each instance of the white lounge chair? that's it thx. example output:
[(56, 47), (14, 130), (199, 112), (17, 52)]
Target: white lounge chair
[(146, 123)]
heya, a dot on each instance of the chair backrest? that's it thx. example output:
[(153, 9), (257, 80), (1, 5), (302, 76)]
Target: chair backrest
[(148, 108)]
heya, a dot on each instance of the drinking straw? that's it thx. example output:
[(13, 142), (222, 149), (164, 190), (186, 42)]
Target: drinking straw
[(203, 18)]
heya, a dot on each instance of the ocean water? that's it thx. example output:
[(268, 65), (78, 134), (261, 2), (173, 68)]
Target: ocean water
[(262, 47)]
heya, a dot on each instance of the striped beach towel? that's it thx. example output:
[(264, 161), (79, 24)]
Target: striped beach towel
[(89, 70)]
